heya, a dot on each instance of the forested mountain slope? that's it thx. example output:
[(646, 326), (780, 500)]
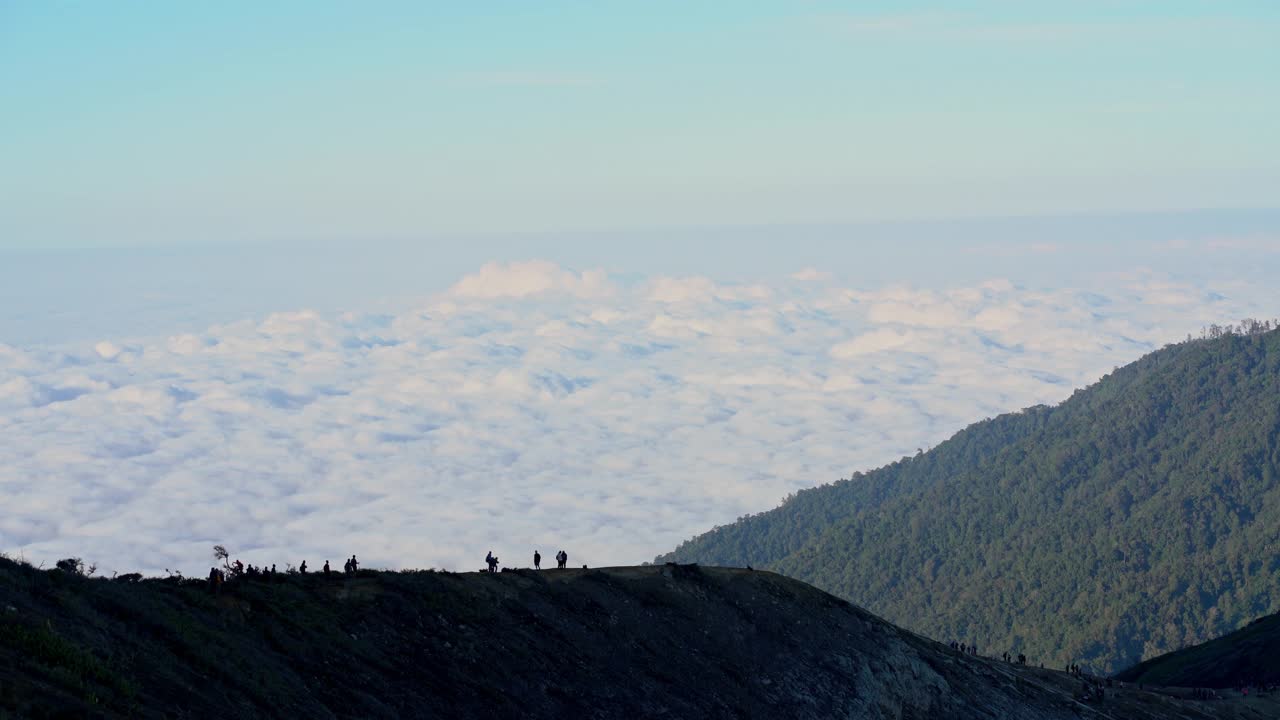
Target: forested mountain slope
[(1139, 516)]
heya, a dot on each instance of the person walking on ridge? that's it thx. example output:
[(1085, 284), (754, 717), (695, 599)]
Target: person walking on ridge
[(537, 560)]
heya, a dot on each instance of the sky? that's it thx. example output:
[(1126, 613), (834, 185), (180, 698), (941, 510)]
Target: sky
[(308, 280), (134, 123)]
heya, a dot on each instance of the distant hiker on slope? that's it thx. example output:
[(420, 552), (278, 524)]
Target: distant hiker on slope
[(537, 560), (326, 568)]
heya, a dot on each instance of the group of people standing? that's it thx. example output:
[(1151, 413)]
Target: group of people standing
[(1019, 659), (562, 561), (237, 569), (348, 568), (1009, 658)]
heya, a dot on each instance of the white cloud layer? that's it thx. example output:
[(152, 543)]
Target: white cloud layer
[(532, 407)]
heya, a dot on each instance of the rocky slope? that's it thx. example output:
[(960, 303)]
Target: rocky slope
[(660, 641)]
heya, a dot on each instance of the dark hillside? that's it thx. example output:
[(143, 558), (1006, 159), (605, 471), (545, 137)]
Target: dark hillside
[(675, 642), (1140, 515), (1250, 655)]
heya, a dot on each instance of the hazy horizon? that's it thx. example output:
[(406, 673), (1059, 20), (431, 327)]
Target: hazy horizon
[(307, 280)]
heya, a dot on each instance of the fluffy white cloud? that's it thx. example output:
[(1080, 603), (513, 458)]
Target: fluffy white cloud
[(535, 277), (871, 342), (532, 406)]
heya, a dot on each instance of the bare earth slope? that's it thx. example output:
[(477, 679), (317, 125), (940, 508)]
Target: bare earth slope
[(662, 642)]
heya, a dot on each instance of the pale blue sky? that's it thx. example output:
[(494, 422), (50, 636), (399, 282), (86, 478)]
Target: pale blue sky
[(830, 233), (146, 123)]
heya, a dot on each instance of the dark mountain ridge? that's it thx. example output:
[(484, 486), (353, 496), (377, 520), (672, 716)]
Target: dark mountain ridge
[(661, 641), (1248, 656), (1139, 516)]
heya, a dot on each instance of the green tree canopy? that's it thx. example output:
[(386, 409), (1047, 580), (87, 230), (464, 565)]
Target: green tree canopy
[(1139, 516)]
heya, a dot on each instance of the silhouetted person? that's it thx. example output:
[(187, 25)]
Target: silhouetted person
[(326, 568), (537, 560), (492, 562), (346, 566), (303, 568), (355, 566), (273, 568)]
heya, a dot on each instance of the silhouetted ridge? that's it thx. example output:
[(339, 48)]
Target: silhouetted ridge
[(1248, 656), (663, 641), (1129, 520)]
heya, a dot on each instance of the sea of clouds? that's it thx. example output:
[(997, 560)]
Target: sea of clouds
[(534, 407)]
